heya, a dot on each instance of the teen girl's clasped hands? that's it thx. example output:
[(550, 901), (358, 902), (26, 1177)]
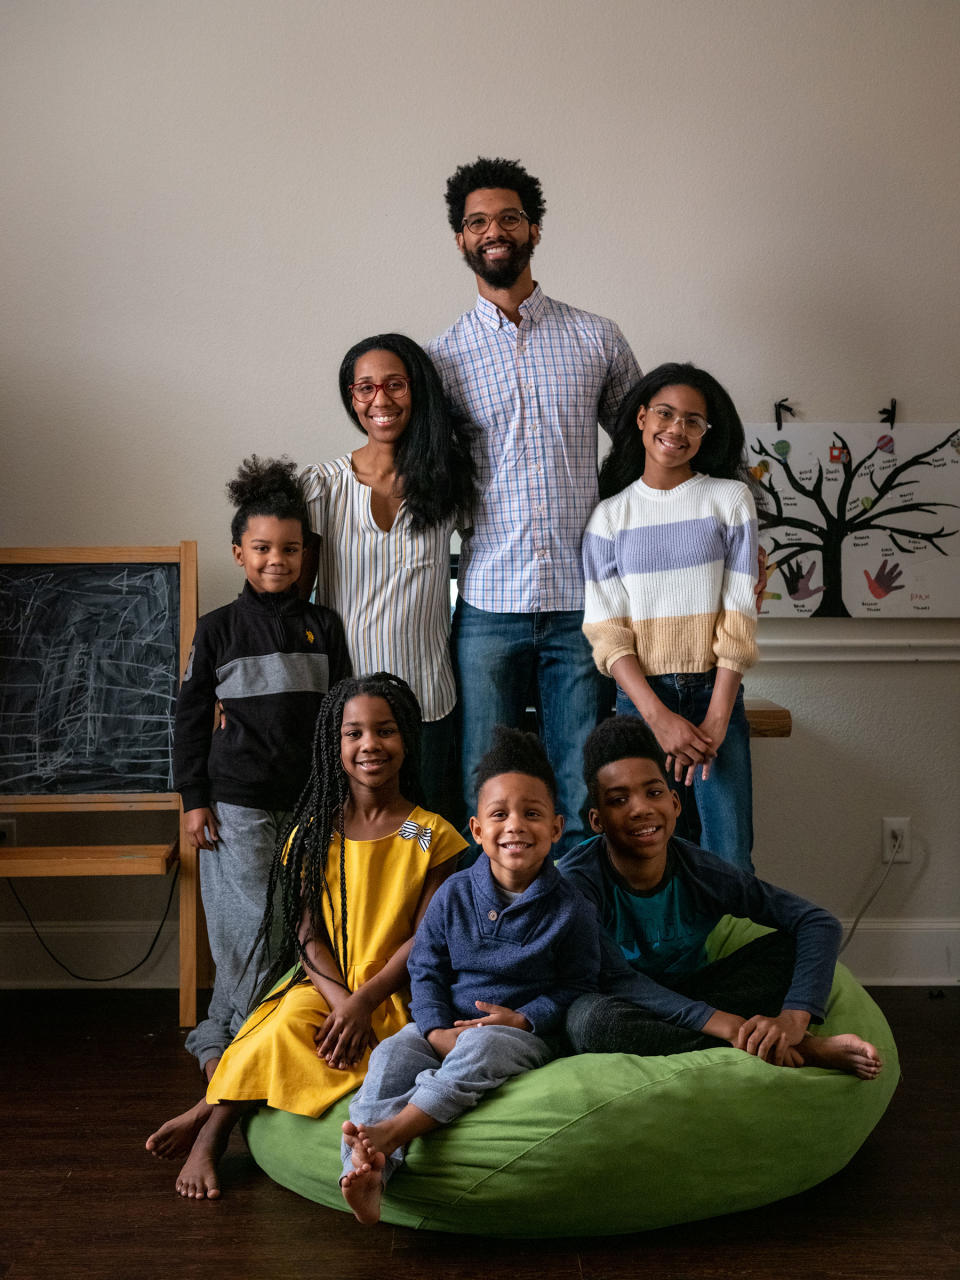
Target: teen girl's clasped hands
[(670, 558)]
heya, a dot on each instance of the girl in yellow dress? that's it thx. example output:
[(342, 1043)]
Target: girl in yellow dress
[(346, 893)]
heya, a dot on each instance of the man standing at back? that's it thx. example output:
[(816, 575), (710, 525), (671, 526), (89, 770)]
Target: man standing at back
[(535, 377)]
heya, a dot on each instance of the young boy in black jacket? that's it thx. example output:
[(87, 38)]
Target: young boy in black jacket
[(267, 659)]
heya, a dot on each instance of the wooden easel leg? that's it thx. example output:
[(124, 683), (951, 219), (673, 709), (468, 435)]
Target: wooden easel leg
[(189, 907)]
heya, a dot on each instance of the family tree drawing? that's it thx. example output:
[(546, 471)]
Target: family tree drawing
[(857, 521)]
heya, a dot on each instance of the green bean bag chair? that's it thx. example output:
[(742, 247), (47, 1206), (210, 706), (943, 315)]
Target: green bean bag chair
[(607, 1143)]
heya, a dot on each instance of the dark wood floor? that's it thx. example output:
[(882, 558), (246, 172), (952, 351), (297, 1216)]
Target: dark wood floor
[(87, 1075)]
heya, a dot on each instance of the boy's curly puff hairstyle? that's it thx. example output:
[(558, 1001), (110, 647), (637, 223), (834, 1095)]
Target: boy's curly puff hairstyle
[(618, 738), (513, 751), (485, 173), (266, 487)]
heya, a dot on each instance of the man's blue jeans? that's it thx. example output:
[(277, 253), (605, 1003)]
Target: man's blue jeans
[(498, 659), (725, 801)]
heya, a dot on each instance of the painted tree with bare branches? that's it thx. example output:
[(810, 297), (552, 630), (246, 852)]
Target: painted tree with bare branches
[(883, 513)]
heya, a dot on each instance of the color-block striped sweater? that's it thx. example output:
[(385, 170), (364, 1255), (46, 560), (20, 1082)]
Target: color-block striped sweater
[(670, 576)]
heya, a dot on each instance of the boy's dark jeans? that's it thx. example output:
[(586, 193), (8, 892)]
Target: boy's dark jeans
[(753, 979)]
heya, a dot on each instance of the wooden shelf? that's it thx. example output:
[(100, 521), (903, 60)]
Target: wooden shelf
[(89, 860), (767, 719), (91, 802)]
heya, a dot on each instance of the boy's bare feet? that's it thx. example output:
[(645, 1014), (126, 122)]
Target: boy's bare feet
[(175, 1137), (842, 1053), (198, 1178), (363, 1187), (381, 1137)]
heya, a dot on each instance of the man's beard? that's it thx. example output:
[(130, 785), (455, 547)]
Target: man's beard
[(505, 273)]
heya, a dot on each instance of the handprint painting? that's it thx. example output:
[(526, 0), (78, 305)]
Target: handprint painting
[(859, 522)]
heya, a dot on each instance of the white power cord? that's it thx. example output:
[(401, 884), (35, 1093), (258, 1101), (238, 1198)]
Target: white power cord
[(897, 842)]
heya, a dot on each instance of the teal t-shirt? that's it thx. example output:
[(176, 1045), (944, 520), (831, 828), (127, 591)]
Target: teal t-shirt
[(660, 931)]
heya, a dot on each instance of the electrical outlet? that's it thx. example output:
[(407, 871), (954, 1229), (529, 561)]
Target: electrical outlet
[(895, 844), (8, 833)]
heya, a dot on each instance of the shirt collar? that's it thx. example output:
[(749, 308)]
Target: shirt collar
[(485, 885), (530, 309), (280, 601)]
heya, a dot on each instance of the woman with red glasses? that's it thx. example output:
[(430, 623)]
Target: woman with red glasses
[(383, 515)]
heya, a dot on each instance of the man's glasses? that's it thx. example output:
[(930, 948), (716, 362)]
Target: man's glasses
[(690, 423), (396, 388), (506, 219)]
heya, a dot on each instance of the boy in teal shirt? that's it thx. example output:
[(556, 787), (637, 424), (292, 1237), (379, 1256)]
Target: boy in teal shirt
[(659, 898)]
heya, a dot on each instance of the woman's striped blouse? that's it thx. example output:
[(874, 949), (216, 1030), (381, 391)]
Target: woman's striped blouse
[(391, 589)]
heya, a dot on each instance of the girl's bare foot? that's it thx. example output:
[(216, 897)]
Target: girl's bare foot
[(842, 1053), (175, 1137), (198, 1178)]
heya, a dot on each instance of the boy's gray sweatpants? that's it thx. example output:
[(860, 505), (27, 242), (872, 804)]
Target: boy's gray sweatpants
[(233, 885), (406, 1068)]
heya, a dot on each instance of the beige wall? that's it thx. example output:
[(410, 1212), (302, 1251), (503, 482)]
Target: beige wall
[(205, 203)]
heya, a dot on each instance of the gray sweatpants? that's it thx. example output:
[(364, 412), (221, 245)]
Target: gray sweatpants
[(406, 1068), (233, 885)]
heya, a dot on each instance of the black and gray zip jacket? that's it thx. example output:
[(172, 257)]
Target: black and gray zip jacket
[(268, 659)]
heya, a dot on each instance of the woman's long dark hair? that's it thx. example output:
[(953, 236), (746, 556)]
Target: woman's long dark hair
[(297, 884), (435, 468), (722, 452)]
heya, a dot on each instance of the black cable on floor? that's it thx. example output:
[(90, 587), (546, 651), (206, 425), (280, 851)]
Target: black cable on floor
[(80, 977)]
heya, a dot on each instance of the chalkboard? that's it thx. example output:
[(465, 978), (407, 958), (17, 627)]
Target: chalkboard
[(90, 658)]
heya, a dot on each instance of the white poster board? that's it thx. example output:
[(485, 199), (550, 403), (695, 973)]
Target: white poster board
[(861, 520)]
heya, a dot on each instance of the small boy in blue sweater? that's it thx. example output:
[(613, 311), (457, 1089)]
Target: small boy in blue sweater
[(508, 937), (659, 898)]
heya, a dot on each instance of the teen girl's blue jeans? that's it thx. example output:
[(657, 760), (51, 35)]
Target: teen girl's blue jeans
[(724, 802)]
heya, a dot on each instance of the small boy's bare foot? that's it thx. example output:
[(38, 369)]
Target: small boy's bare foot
[(175, 1137), (362, 1150), (362, 1139), (842, 1053), (363, 1187), (198, 1178)]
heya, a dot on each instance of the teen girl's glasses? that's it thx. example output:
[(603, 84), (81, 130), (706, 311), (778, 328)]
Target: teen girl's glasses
[(506, 219), (396, 388), (690, 424)]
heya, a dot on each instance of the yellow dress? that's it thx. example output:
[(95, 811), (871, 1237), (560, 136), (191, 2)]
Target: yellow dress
[(273, 1056)]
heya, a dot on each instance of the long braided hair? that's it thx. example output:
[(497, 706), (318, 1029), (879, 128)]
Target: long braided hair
[(298, 884)]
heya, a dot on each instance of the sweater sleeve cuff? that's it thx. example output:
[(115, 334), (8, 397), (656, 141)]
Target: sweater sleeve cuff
[(542, 1014), (730, 664), (433, 1018), (614, 655), (195, 798), (817, 1012)]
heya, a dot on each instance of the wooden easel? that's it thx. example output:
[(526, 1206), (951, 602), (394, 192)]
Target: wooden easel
[(123, 860)]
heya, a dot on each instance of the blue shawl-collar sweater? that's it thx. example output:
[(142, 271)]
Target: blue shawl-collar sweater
[(534, 956)]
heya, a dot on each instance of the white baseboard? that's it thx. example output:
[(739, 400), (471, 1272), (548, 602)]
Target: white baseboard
[(904, 953), (883, 953)]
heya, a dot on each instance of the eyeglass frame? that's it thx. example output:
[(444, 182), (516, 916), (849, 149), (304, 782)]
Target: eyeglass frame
[(493, 217), (380, 386), (679, 419)]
